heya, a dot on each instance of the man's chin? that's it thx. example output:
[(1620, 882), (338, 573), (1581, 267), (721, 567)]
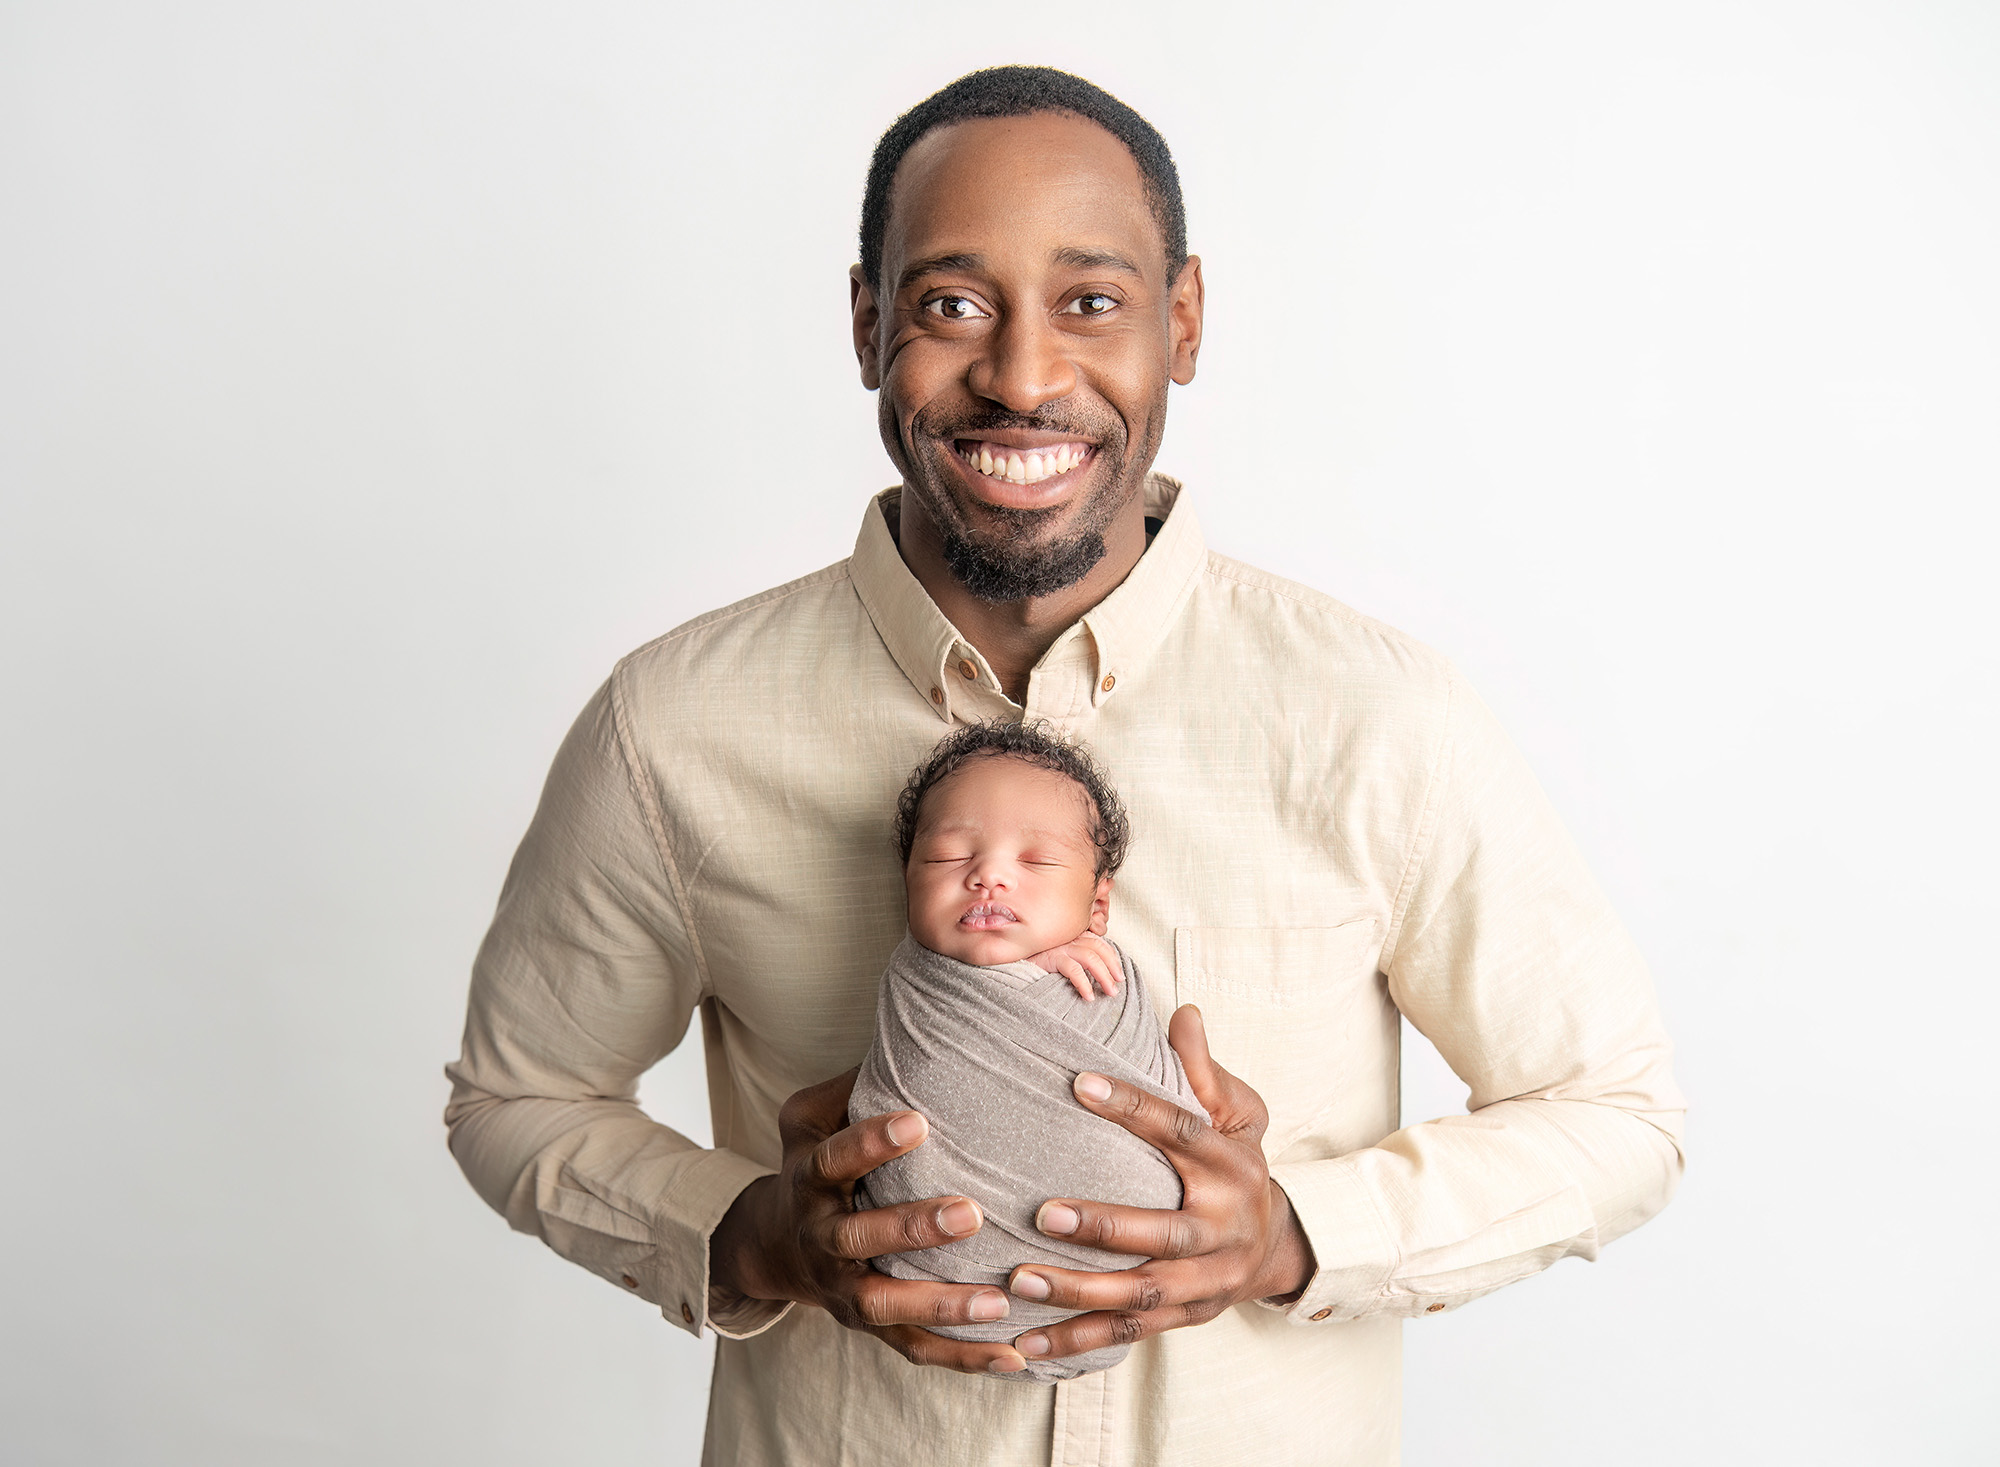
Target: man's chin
[(1012, 572)]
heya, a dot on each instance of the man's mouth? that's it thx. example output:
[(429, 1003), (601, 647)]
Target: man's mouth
[(1021, 465), (981, 916)]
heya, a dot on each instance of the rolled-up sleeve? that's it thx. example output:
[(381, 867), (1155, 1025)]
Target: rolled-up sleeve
[(1506, 955), (587, 977)]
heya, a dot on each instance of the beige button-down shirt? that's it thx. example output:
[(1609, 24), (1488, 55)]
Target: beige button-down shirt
[(1328, 829)]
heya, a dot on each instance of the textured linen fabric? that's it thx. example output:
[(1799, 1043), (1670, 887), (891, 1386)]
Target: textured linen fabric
[(1328, 828), (988, 1056)]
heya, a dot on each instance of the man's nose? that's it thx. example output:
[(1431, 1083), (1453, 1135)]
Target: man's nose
[(1025, 365)]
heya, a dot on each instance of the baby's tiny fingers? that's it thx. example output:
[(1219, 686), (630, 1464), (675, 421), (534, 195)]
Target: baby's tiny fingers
[(1079, 978)]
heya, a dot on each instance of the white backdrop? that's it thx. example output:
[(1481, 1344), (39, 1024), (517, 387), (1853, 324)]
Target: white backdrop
[(376, 373)]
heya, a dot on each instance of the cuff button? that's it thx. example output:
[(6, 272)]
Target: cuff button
[(1324, 1314), (687, 1314), (1432, 1308), (629, 1282)]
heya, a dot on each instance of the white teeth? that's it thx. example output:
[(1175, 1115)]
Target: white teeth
[(1031, 467)]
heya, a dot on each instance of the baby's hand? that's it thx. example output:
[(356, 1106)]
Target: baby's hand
[(1090, 959)]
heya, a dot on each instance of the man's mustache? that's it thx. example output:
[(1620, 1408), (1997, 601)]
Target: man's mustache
[(973, 425)]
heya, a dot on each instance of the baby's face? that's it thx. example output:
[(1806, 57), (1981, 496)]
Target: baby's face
[(1002, 866)]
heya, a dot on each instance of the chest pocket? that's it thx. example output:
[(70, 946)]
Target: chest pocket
[(1300, 1014)]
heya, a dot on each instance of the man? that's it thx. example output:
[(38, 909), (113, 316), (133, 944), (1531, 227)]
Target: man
[(1328, 829)]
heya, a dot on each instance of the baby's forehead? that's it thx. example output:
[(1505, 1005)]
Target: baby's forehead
[(1072, 804)]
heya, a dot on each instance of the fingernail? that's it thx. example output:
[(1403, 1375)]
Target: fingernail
[(1057, 1219), (1093, 1087), (1032, 1344), (1005, 1365), (907, 1130), (959, 1218), (1030, 1286), (988, 1306)]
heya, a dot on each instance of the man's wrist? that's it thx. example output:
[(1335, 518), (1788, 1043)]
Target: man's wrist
[(738, 1258), (1289, 1264)]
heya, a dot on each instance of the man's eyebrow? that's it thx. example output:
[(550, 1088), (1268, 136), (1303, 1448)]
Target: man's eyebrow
[(1074, 257), (938, 265), (1082, 259)]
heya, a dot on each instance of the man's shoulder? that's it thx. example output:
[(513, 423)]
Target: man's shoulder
[(1292, 620), (801, 611)]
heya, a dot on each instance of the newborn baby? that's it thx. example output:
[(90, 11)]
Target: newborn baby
[(1000, 995)]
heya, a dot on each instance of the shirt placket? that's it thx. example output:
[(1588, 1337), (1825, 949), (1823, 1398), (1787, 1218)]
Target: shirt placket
[(1059, 688), (1082, 1435)]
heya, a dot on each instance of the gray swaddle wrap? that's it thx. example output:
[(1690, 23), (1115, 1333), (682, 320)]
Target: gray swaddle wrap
[(988, 1056)]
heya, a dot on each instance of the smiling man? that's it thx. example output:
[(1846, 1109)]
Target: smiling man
[(1327, 830)]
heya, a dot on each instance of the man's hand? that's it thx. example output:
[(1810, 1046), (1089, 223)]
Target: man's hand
[(796, 1236), (1088, 960), (1234, 1238)]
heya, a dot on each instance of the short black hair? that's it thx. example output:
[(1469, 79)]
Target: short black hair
[(1024, 91), (1031, 743)]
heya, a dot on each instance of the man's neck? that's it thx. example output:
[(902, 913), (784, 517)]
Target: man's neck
[(1013, 635)]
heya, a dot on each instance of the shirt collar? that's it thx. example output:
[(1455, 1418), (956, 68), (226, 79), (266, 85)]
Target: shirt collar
[(1124, 628)]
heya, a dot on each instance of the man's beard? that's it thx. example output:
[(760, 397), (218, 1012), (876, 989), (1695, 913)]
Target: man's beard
[(1014, 568), (1014, 563)]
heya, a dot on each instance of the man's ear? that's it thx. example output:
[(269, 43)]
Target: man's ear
[(1100, 906), (1184, 322), (867, 316)]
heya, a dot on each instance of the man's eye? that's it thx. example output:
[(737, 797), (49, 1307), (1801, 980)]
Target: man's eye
[(1091, 303), (953, 308)]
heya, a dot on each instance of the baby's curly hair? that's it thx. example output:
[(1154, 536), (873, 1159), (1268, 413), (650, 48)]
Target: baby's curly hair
[(1032, 743)]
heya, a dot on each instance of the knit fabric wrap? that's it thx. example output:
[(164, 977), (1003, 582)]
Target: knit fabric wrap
[(988, 1055)]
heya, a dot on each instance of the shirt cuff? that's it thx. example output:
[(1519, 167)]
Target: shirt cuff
[(680, 1282), (1354, 1255)]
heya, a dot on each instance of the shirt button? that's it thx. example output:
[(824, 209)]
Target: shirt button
[(937, 696), (1324, 1314), (1110, 682), (687, 1313), (966, 670), (1432, 1308), (629, 1282)]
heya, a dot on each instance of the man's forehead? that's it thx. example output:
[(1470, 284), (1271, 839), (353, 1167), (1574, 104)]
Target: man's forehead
[(1051, 184)]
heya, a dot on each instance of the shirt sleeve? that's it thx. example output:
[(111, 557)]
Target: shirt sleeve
[(587, 978), (1506, 955)]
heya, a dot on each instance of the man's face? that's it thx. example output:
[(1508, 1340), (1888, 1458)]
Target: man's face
[(1002, 866), (1023, 343)]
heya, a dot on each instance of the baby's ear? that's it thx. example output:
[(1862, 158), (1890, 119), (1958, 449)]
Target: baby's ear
[(1100, 906)]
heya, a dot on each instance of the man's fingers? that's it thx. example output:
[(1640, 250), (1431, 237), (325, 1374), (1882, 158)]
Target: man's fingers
[(900, 1229), (852, 1152), (879, 1301), (1140, 1290), (1095, 1331), (921, 1347), (1139, 1230), (1236, 1110), (817, 1111), (1188, 1037), (1179, 1133)]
